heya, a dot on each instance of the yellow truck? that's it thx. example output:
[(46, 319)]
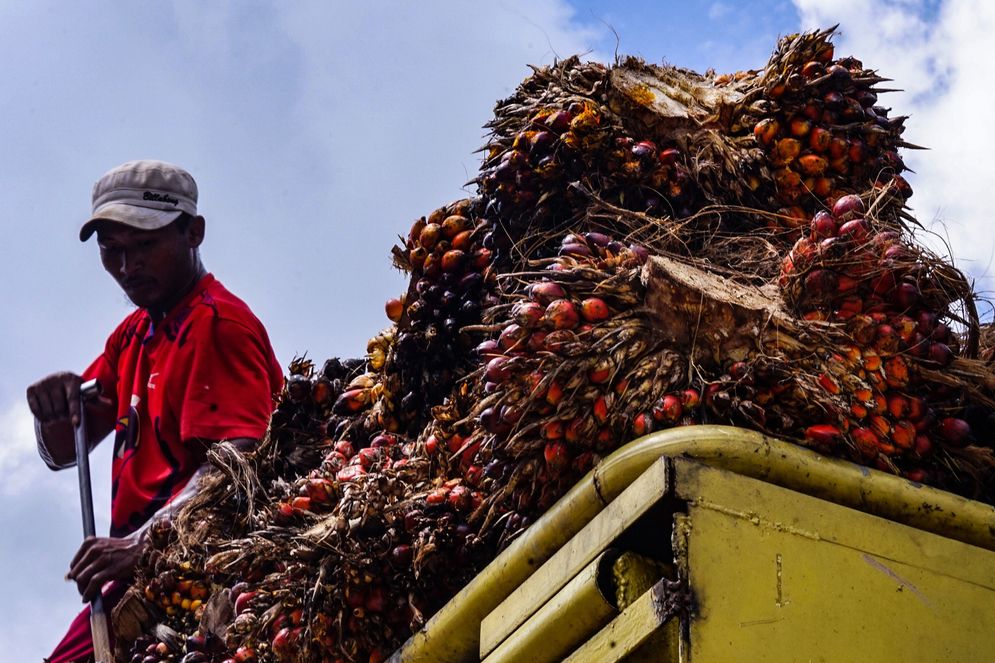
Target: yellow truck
[(712, 543)]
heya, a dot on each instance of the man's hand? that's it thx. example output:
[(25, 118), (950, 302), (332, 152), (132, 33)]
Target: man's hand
[(100, 560), (56, 398), (54, 401)]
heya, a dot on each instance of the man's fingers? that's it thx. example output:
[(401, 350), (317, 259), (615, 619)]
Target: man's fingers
[(83, 555), (92, 588), (71, 394)]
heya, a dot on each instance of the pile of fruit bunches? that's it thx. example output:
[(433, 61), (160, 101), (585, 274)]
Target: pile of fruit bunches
[(851, 269)]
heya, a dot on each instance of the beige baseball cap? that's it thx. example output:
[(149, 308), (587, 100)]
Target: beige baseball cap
[(142, 194)]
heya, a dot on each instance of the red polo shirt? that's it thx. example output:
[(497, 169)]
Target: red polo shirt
[(205, 372)]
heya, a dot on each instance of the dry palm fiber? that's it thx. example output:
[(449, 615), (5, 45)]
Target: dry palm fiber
[(648, 247)]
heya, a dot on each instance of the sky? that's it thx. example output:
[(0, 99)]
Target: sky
[(317, 131)]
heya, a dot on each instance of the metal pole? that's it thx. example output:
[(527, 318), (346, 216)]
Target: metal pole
[(98, 618)]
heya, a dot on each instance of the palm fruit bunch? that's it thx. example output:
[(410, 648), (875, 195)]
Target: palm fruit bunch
[(647, 247), (820, 125), (894, 304)]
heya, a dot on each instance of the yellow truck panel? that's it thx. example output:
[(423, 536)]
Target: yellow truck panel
[(781, 554)]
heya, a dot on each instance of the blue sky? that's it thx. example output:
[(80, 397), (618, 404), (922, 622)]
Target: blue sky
[(317, 132)]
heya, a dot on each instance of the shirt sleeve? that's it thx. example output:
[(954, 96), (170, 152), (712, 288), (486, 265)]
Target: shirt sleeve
[(226, 388)]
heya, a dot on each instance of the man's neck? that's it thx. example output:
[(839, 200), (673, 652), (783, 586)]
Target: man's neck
[(159, 313)]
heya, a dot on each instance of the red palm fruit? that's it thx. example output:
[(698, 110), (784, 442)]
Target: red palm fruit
[(923, 445), (941, 354), (903, 435), (940, 333), (452, 260), (557, 456), (642, 424), (838, 148), (621, 386), (856, 230), (812, 69), (554, 394), (926, 322), (545, 292), (862, 329), (349, 473), (800, 126), (559, 339), (244, 654), (766, 131), (829, 384), (594, 309), (871, 360), (857, 151), (431, 267), (820, 139), (352, 400), (690, 398), (301, 503), (600, 409), (481, 258), (866, 441), (459, 499), (812, 164), (848, 308), (918, 475), (815, 315), (823, 435), (823, 225), (559, 121), (463, 241), (576, 250), (528, 314), (573, 430), (858, 410), (821, 282), (284, 511), (497, 370), (839, 165), (668, 409), (880, 425), (848, 207), (415, 232), (898, 406), (822, 187), (880, 403), (429, 236), (431, 444), (906, 295), (562, 314), (513, 338), (896, 372), (787, 150), (955, 432), (437, 496), (394, 309), (455, 224), (846, 283), (583, 462), (601, 372), (474, 474), (454, 443), (787, 179), (884, 283), (537, 340), (488, 348), (917, 408), (319, 490)]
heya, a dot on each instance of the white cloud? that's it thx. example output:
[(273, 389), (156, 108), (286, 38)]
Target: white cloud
[(940, 56), (718, 10), (20, 465)]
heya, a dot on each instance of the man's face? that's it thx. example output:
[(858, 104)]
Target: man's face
[(153, 267)]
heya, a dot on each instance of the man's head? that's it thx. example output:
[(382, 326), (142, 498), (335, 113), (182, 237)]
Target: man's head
[(148, 231)]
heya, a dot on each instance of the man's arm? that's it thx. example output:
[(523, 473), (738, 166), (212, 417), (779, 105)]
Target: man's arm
[(54, 401), (102, 559)]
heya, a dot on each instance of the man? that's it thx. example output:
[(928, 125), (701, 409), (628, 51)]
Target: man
[(191, 366)]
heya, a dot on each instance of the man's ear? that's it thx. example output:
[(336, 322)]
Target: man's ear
[(195, 231)]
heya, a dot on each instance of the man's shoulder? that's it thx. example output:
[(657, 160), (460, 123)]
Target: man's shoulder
[(219, 303)]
